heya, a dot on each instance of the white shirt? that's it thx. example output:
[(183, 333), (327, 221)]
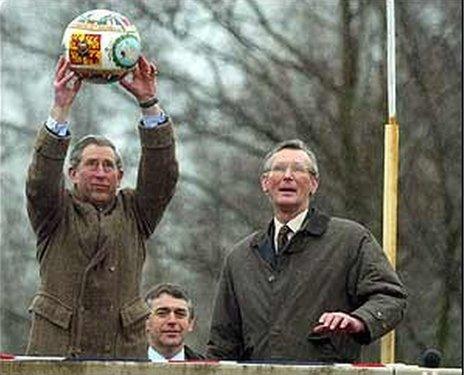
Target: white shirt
[(294, 224), (154, 356)]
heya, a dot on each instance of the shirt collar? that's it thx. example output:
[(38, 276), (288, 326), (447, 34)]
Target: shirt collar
[(155, 356), (294, 224)]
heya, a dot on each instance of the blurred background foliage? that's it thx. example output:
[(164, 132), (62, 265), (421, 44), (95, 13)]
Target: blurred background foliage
[(237, 76)]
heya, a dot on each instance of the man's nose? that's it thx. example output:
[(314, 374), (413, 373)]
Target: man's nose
[(100, 170), (288, 172), (171, 317)]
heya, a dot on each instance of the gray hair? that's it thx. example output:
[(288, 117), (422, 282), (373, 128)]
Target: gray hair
[(172, 290), (75, 156), (293, 144)]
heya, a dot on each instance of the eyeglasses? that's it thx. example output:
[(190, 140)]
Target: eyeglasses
[(295, 168), (94, 164)]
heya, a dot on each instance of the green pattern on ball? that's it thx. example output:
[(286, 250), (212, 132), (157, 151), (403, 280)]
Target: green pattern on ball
[(126, 51)]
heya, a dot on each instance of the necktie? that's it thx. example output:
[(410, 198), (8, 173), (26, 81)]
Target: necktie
[(282, 237)]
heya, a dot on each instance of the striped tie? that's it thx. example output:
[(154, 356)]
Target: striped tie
[(282, 237)]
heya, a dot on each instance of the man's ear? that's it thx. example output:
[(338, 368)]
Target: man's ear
[(264, 183), (314, 184), (120, 176), (72, 172), (192, 324)]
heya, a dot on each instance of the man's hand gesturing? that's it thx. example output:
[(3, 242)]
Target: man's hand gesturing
[(339, 322)]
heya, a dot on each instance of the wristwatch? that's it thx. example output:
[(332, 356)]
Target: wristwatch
[(148, 103)]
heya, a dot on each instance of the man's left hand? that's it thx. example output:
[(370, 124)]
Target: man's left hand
[(339, 322), (141, 82)]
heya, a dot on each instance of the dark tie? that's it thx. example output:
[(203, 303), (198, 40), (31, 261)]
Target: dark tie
[(282, 237)]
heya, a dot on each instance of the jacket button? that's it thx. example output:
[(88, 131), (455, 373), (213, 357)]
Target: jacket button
[(271, 278), (379, 314), (112, 268), (82, 309)]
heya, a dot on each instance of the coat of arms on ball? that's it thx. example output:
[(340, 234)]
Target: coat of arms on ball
[(101, 45)]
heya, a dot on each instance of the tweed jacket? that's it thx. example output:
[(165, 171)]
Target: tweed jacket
[(88, 303), (267, 305)]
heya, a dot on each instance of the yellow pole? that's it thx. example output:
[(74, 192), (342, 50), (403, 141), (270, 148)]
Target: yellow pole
[(390, 182), (390, 208)]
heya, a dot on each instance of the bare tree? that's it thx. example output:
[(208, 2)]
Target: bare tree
[(238, 76)]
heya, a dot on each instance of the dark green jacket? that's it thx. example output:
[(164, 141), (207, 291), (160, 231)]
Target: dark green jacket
[(266, 308), (191, 355), (88, 303)]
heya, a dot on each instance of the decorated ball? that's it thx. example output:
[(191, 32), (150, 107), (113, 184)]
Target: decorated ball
[(101, 45)]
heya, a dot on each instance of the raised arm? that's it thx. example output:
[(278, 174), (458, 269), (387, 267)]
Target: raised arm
[(44, 184), (142, 84), (158, 168), (66, 85)]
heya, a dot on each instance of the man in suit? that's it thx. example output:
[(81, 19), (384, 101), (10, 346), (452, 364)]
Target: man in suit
[(171, 320)]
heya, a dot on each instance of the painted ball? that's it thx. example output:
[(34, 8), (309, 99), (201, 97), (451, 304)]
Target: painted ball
[(101, 45)]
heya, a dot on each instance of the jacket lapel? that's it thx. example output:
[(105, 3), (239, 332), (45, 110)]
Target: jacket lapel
[(264, 244)]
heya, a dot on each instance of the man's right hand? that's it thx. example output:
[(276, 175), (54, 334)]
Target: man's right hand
[(66, 84), (339, 322)]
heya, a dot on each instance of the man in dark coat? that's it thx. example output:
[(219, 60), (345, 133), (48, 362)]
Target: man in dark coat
[(309, 287), (172, 318), (91, 239)]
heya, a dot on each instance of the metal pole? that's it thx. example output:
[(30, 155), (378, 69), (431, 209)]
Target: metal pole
[(391, 162)]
